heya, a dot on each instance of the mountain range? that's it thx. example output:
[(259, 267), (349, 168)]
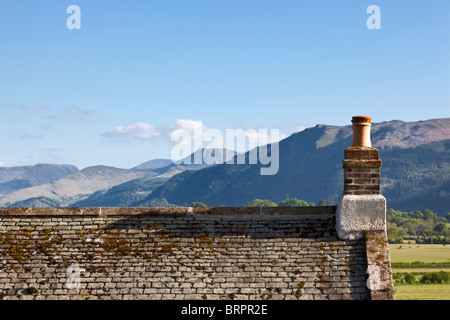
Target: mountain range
[(16, 178), (65, 185), (415, 174), (415, 171)]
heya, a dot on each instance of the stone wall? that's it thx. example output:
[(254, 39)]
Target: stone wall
[(178, 254)]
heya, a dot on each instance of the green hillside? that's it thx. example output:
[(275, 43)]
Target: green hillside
[(38, 202), (123, 195)]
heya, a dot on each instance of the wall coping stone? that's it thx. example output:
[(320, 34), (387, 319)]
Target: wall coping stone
[(242, 212)]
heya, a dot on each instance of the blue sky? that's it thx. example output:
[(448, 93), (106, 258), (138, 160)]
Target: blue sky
[(110, 92)]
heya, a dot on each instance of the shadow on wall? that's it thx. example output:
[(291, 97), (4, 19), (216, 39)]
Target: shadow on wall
[(257, 223)]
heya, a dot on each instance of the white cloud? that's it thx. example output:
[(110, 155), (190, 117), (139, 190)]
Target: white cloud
[(41, 107), (2, 164), (149, 132), (91, 119), (23, 107), (51, 117), (52, 150), (196, 134), (75, 111), (140, 131), (243, 140), (299, 128), (189, 124), (27, 136), (15, 106), (192, 127), (80, 114)]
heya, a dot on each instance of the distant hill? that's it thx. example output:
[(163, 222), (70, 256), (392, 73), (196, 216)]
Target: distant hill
[(76, 186), (108, 186), (415, 172), (122, 195), (16, 178), (410, 134), (128, 193), (199, 159), (38, 202), (153, 164)]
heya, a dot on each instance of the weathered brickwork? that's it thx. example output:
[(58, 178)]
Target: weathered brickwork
[(361, 171), (179, 253)]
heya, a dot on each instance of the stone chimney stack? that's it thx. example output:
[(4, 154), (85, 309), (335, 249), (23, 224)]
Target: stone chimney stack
[(361, 208)]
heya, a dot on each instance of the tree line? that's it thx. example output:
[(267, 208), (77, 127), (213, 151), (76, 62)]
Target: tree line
[(289, 202), (422, 226)]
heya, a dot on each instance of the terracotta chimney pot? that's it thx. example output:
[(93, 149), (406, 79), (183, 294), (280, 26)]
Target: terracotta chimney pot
[(361, 131)]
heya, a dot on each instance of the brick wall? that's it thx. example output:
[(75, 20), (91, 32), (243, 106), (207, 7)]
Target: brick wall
[(361, 171), (179, 253)]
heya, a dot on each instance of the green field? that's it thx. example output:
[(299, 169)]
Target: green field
[(418, 270), (436, 257), (426, 253), (423, 292)]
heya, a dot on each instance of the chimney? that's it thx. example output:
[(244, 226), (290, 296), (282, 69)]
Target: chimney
[(361, 131), (361, 208)]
